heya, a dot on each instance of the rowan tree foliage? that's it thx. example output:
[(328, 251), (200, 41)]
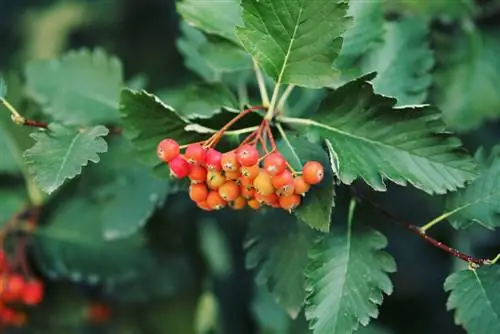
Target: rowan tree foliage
[(380, 95)]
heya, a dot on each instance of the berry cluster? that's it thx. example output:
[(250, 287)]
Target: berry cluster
[(16, 290), (242, 176)]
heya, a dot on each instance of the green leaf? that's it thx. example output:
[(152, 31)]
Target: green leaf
[(60, 153), (125, 191), (475, 299), (13, 200), (295, 42), (479, 202), (213, 59), (403, 62), (277, 245), (3, 87), (199, 101), (367, 28), (80, 88), (346, 279), (213, 17), (444, 9), (466, 103), (71, 245), (270, 316), (8, 151), (316, 207), (373, 140), (147, 121)]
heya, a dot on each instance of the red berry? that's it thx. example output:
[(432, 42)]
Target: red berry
[(213, 159), (238, 203), (289, 202), (254, 204), (198, 174), (270, 199), (250, 172), (33, 293), (98, 313), (233, 175), (229, 191), (204, 206), (195, 154), (198, 192), (230, 162), (313, 172), (247, 155), (274, 164), (167, 149), (300, 185), (179, 167), (215, 201), (14, 287)]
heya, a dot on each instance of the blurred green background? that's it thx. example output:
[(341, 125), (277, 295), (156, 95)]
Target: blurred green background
[(142, 33)]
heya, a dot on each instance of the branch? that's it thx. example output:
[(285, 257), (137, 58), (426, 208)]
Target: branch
[(417, 230)]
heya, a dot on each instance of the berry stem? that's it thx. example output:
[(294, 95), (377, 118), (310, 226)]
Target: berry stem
[(262, 84), (284, 98), (18, 119), (287, 142), (270, 135)]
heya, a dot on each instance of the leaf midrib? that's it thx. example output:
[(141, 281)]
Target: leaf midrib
[(488, 301), (65, 159)]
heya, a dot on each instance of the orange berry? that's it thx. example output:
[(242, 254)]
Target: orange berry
[(198, 192), (215, 201), (245, 182), (283, 183), (300, 185), (213, 159), (179, 167), (204, 206), (233, 175), (215, 179), (250, 172), (248, 193), (195, 154), (289, 203), (247, 155), (254, 204), (274, 163), (167, 149), (229, 191), (230, 162), (313, 172), (238, 203), (198, 174), (268, 199), (263, 184)]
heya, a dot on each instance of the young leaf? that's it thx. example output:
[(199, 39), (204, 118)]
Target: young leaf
[(475, 299), (316, 206), (213, 17), (373, 140), (277, 245), (468, 103), (203, 100), (345, 279), (60, 153), (480, 201), (367, 28), (72, 246), (215, 59), (146, 121), (295, 42), (402, 62), (81, 88)]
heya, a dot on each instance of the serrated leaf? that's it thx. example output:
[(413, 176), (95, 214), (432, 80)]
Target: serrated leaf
[(80, 88), (346, 278), (475, 299), (479, 202), (199, 101), (71, 245), (3, 87), (468, 103), (213, 59), (60, 153), (276, 33), (277, 245), (316, 206), (366, 29), (147, 121), (125, 190), (444, 9), (403, 62), (213, 17), (374, 141)]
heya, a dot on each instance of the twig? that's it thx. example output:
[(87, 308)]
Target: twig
[(262, 85), (416, 230)]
